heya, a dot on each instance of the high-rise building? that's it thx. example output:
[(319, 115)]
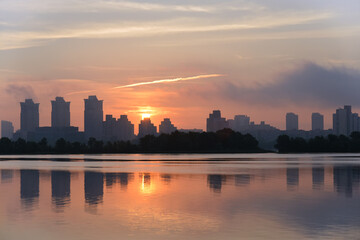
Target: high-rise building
[(317, 122), (345, 122), (117, 130), (166, 126), (292, 122), (60, 113), (7, 129), (146, 128), (355, 122), (29, 116), (215, 122), (110, 129), (125, 128), (240, 123), (93, 118)]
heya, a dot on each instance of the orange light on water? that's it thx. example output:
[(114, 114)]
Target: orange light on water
[(147, 186)]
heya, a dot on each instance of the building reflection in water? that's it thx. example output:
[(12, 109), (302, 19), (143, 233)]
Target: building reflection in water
[(94, 187), (113, 178), (346, 178), (29, 187), (318, 176), (242, 179), (124, 179), (6, 175), (215, 182), (60, 188), (165, 178), (292, 178), (110, 179)]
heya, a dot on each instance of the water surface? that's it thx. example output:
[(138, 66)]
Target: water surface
[(194, 196)]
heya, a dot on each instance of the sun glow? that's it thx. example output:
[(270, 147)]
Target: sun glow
[(145, 115)]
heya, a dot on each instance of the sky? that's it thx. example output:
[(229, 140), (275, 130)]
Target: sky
[(181, 59)]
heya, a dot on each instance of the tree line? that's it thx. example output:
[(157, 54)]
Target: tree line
[(319, 144), (225, 140)]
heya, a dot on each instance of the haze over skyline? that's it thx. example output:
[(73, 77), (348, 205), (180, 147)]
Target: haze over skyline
[(181, 59)]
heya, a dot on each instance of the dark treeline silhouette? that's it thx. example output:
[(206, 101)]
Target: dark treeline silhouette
[(225, 140), (319, 144)]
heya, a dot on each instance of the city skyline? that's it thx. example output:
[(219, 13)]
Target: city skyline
[(60, 118)]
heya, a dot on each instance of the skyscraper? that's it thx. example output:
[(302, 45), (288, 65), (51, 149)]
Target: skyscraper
[(317, 122), (344, 121), (166, 126), (7, 129), (355, 122), (60, 114), (117, 130), (29, 116), (125, 128), (109, 129), (93, 117), (215, 122), (146, 128), (292, 122), (241, 122)]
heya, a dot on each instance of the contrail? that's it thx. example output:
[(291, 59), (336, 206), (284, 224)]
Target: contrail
[(170, 80), (79, 92)]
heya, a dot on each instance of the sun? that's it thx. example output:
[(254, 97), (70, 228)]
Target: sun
[(145, 115)]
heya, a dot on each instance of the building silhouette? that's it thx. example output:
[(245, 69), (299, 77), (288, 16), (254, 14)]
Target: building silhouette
[(166, 126), (196, 130), (240, 123), (292, 122), (110, 129), (215, 122), (345, 122), (60, 123), (29, 116), (93, 118), (52, 134), (60, 113), (117, 130), (355, 123), (317, 122), (7, 129), (146, 128), (125, 128)]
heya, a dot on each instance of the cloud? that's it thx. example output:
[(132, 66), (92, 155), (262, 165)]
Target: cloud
[(98, 6), (123, 28), (20, 92), (309, 85), (170, 80)]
